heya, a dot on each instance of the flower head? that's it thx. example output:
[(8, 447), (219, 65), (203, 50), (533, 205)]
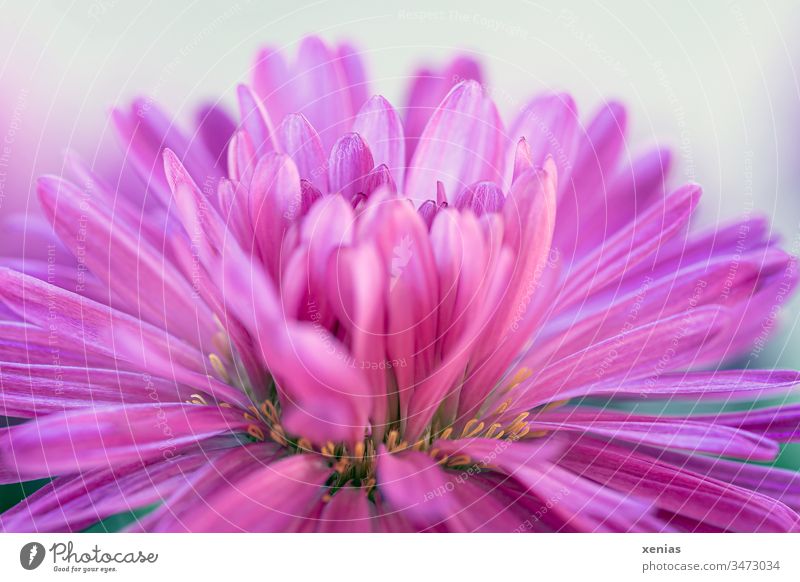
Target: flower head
[(333, 315)]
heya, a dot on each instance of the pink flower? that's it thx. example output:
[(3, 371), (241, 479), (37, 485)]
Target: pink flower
[(327, 318)]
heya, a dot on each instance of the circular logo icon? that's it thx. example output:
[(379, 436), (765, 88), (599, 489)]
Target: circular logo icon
[(31, 555)]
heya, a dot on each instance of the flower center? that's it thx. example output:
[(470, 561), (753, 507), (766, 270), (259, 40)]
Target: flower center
[(354, 466)]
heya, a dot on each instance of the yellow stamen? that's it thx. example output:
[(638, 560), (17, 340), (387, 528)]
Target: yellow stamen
[(328, 450), (476, 431), (491, 429), (459, 460), (219, 367), (278, 435), (468, 426), (269, 411), (255, 432), (359, 453), (222, 343), (503, 407)]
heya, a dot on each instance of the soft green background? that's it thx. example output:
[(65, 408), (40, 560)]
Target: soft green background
[(716, 80)]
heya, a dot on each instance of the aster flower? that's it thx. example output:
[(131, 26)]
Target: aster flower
[(337, 316)]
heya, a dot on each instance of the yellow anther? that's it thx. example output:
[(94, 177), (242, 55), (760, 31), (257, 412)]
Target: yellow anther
[(219, 367), (522, 416), (521, 375), (474, 432), (524, 432), (359, 452), (278, 435), (255, 432), (391, 440), (304, 444), (446, 433), (198, 399), (222, 343), (459, 460), (503, 407), (269, 411), (519, 420), (535, 434), (468, 427), (491, 429)]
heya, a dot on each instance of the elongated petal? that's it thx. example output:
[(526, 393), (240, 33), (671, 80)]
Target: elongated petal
[(629, 356), (275, 204), (300, 140), (320, 88), (112, 250), (463, 143), (273, 498), (379, 124), (76, 441), (74, 503), (428, 87), (634, 243), (548, 124), (349, 164), (256, 121), (35, 390), (701, 498), (355, 75), (271, 82), (347, 511), (415, 485)]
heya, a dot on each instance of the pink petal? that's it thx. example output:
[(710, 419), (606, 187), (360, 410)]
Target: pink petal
[(320, 90), (355, 76), (124, 262), (63, 443), (463, 143), (347, 511), (256, 121), (271, 82), (548, 124), (379, 124), (273, 498), (350, 162), (275, 204), (427, 89), (300, 140)]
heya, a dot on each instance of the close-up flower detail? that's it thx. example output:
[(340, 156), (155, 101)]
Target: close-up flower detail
[(334, 313)]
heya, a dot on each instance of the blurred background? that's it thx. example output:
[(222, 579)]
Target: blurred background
[(715, 80)]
